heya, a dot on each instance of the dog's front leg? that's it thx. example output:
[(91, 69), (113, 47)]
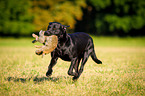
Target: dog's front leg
[(70, 71), (52, 63)]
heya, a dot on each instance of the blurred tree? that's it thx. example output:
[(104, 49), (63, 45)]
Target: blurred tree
[(64, 11), (15, 18), (109, 17), (22, 17), (119, 15)]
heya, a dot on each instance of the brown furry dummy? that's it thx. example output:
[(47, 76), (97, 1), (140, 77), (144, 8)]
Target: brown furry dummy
[(50, 43)]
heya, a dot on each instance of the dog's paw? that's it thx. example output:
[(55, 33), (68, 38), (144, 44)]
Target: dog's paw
[(49, 73), (75, 78)]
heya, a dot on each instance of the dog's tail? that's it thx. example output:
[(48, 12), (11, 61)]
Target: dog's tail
[(93, 55)]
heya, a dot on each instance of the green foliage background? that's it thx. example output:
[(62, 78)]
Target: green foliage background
[(22, 17), (15, 17), (116, 15)]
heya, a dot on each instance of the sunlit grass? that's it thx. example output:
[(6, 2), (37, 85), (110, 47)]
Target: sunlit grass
[(122, 72)]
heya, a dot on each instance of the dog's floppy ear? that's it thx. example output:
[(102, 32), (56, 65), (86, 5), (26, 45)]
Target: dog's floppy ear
[(63, 31), (64, 27)]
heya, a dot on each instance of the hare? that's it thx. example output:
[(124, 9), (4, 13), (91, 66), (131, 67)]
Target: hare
[(50, 43)]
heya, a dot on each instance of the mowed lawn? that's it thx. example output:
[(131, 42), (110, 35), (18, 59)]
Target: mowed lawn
[(22, 72)]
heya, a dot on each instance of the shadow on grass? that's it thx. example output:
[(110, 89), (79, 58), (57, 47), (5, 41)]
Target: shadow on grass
[(37, 79)]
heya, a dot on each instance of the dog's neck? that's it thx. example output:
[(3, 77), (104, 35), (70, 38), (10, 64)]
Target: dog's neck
[(63, 38)]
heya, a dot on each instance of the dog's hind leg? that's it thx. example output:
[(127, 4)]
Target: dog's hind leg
[(74, 63), (94, 57), (84, 60)]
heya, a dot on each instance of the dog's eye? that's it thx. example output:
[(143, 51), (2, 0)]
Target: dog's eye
[(54, 28)]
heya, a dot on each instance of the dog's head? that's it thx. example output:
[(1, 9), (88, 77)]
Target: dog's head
[(55, 28)]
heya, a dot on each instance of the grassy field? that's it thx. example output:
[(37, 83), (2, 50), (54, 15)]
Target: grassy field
[(122, 72)]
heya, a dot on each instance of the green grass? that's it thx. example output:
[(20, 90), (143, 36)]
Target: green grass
[(122, 72)]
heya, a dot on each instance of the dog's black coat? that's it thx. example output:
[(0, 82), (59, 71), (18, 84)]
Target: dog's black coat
[(71, 47)]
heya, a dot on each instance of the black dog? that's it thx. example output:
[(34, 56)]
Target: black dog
[(71, 47)]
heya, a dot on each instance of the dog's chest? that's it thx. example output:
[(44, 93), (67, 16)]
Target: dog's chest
[(65, 57), (65, 53)]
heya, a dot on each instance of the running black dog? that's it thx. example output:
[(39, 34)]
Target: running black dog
[(71, 47)]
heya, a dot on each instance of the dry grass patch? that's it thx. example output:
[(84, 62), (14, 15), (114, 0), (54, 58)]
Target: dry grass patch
[(122, 73)]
